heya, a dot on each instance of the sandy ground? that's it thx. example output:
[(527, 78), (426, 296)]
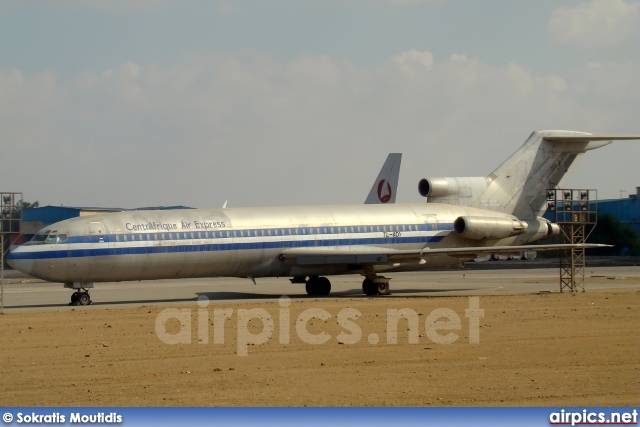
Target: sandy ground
[(533, 349)]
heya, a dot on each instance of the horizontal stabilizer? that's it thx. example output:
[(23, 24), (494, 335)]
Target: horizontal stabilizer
[(587, 138)]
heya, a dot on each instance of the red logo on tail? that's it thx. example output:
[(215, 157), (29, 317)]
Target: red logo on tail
[(386, 197)]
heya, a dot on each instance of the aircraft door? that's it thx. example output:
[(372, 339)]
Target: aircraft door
[(102, 246), (98, 229)]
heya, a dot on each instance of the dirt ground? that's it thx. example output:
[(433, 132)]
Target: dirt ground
[(533, 349)]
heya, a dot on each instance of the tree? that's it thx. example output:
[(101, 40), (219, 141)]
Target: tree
[(610, 231)]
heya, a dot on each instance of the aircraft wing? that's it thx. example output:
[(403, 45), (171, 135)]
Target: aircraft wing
[(372, 255)]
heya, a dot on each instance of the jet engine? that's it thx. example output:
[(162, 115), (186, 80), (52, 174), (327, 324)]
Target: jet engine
[(459, 191), (480, 228)]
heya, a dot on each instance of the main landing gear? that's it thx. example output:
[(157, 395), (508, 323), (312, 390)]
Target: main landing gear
[(377, 286), (374, 284), (80, 298), (81, 294), (321, 286), (318, 286)]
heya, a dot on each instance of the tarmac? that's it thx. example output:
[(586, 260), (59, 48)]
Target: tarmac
[(506, 277), (528, 345)]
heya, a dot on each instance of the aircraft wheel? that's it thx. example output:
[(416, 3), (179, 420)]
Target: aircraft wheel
[(74, 298), (324, 286), (317, 286), (311, 286), (369, 287), (83, 298), (382, 288)]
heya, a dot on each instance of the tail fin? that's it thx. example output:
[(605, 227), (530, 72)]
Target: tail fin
[(386, 184), (518, 185)]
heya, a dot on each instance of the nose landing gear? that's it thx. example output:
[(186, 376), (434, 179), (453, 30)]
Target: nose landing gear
[(81, 295)]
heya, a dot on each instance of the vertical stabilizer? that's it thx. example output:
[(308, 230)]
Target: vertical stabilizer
[(518, 185), (385, 186)]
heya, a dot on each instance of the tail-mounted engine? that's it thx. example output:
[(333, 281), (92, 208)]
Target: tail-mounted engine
[(481, 228), (459, 191)]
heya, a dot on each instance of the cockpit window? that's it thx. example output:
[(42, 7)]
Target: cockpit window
[(50, 237), (40, 237)]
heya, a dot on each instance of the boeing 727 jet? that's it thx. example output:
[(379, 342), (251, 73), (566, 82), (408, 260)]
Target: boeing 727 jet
[(464, 219)]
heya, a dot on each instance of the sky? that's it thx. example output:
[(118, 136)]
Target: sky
[(130, 103)]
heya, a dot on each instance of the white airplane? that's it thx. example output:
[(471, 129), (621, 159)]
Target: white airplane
[(498, 214)]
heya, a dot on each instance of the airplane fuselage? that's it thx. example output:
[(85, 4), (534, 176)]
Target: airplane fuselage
[(241, 242)]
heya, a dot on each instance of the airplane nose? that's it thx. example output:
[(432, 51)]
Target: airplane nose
[(15, 261)]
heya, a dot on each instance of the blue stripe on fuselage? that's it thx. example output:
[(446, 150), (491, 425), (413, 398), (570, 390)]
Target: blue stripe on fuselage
[(213, 247)]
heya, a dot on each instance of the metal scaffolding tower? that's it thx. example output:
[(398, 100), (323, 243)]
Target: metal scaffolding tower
[(576, 212), (10, 219)]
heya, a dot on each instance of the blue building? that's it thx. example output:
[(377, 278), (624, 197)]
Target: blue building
[(627, 211)]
